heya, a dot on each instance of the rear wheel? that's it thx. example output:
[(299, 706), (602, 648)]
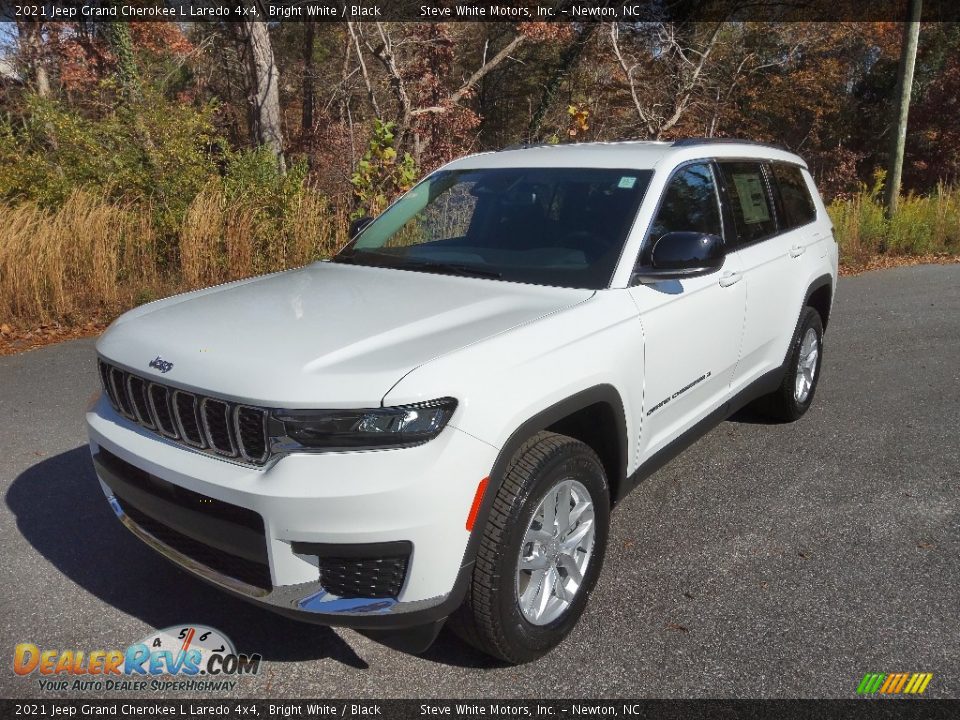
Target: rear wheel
[(795, 394), (540, 553)]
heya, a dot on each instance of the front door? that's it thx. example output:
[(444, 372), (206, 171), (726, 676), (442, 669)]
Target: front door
[(692, 327)]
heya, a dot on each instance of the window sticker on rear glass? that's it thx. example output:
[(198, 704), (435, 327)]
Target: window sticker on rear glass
[(627, 182), (753, 203)]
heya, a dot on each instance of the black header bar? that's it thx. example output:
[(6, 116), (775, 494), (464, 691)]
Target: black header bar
[(579, 11)]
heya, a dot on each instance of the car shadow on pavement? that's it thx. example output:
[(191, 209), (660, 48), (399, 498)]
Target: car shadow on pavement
[(62, 513), (751, 416)]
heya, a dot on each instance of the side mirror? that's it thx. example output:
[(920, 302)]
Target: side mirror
[(357, 226), (679, 255)]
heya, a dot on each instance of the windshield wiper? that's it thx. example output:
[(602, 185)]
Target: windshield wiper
[(392, 261), (366, 258), (451, 268)]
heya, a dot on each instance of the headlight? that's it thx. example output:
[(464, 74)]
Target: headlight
[(387, 427)]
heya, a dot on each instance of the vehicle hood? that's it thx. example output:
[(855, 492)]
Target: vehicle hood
[(324, 335)]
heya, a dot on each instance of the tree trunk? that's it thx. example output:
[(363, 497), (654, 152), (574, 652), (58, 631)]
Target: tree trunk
[(306, 121), (32, 51), (568, 60), (908, 58), (122, 46), (263, 79)]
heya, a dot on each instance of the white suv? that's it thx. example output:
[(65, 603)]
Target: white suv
[(436, 422)]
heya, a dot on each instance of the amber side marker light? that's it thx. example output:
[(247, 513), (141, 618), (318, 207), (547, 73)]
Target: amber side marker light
[(477, 499)]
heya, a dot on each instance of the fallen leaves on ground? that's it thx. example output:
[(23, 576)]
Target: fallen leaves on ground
[(14, 340), (883, 262)]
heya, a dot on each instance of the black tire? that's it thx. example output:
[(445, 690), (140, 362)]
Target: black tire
[(490, 618), (782, 404)]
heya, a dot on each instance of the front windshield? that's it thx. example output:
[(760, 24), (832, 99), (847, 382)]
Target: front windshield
[(548, 226)]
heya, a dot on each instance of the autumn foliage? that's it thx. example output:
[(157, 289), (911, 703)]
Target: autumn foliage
[(130, 166)]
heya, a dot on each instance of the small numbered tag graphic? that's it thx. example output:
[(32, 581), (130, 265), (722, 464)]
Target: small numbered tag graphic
[(183, 638)]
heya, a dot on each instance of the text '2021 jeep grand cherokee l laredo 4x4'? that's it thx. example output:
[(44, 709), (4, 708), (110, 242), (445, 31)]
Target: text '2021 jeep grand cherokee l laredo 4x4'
[(436, 422)]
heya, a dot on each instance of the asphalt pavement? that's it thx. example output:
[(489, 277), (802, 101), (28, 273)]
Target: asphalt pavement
[(766, 561)]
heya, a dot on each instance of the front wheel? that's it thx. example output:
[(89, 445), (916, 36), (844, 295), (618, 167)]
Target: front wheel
[(540, 553)]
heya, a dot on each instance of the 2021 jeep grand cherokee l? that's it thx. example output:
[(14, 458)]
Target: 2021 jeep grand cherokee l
[(437, 421)]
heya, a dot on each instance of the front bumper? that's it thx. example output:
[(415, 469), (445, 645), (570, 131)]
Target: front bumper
[(417, 496)]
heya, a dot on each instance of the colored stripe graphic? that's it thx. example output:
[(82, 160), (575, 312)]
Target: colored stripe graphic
[(866, 684), (888, 683), (894, 683), (901, 680)]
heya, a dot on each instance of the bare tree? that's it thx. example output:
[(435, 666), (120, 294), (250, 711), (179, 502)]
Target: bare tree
[(568, 60), (263, 78), (306, 119), (33, 56), (354, 36), (665, 74), (386, 49)]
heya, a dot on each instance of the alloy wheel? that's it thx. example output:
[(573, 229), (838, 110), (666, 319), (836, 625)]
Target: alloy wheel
[(806, 366), (556, 550)]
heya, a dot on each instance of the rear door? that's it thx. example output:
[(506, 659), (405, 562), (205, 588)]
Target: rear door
[(692, 327), (768, 255)]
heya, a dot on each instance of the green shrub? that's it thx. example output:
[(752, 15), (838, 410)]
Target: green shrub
[(381, 174), (147, 150), (922, 225)]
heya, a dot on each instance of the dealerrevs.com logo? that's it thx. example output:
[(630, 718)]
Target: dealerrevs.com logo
[(183, 657)]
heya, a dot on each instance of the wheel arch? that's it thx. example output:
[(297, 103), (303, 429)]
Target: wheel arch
[(572, 416), (819, 296), (600, 402)]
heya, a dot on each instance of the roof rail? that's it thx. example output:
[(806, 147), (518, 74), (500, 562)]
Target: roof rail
[(689, 142)]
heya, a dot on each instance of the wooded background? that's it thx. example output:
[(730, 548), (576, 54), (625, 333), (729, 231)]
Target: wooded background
[(141, 158)]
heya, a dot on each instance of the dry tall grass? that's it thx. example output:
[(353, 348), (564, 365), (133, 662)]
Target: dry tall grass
[(923, 225), (222, 240), (95, 258), (89, 255)]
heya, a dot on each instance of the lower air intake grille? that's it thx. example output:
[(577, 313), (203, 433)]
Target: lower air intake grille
[(226, 538), (248, 571), (203, 423), (380, 577)]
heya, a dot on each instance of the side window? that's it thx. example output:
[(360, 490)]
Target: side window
[(798, 207), (689, 203), (750, 202)]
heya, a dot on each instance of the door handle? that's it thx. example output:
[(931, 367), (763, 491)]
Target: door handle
[(797, 251), (730, 278)]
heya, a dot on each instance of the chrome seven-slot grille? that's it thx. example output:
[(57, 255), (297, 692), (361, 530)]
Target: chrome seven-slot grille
[(202, 423)]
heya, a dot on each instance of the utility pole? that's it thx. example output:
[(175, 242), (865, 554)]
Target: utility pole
[(908, 58)]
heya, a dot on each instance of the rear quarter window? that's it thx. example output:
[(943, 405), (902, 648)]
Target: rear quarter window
[(798, 207)]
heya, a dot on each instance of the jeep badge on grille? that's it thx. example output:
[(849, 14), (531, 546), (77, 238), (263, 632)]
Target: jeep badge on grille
[(162, 365)]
